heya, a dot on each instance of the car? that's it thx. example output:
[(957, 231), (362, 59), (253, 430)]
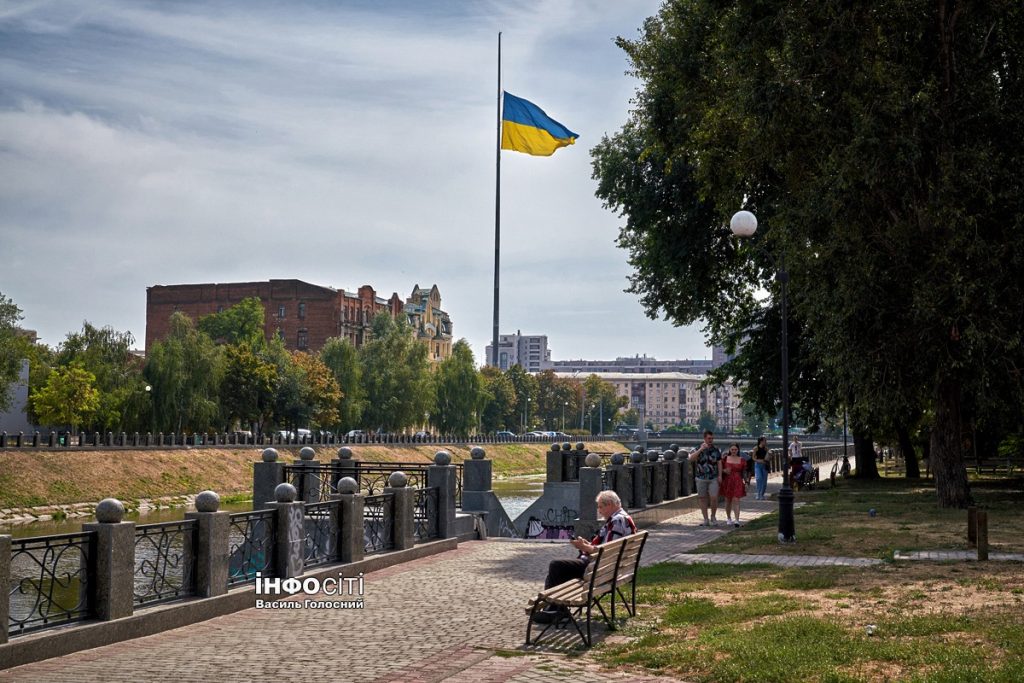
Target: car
[(355, 433), (422, 435), (505, 435)]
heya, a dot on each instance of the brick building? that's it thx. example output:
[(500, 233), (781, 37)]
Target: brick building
[(304, 315)]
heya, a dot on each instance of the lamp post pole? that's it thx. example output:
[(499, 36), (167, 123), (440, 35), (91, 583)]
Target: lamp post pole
[(744, 224), (564, 404)]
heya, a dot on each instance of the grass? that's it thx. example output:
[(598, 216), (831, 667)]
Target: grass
[(925, 622)]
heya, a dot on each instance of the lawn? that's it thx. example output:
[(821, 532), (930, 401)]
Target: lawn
[(907, 621)]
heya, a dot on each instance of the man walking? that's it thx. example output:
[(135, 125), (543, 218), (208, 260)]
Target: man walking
[(708, 476)]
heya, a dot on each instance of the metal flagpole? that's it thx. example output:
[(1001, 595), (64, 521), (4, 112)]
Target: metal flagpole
[(497, 217)]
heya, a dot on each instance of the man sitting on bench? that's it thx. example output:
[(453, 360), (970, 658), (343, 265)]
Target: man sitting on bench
[(617, 524)]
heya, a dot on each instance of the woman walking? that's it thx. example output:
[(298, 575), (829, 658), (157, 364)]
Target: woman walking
[(734, 485), (761, 467)]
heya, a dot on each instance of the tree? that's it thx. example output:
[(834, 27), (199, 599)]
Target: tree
[(184, 371), (340, 356), (247, 387), (396, 377), (240, 324), (10, 356), (878, 145), (457, 389), (706, 422), (319, 392), (107, 354), (602, 402), (69, 398), (525, 386), (498, 397)]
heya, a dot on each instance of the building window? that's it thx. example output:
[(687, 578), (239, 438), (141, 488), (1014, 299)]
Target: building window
[(280, 311), (302, 309), (303, 341)]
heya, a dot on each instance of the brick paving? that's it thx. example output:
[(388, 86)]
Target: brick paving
[(954, 556), (454, 616)]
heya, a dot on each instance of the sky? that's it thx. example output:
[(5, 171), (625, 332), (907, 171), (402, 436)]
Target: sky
[(338, 142)]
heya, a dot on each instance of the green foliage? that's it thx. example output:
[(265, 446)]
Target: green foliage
[(247, 387), (558, 401), (498, 397), (10, 356), (319, 393), (601, 402), (340, 356), (106, 353), (526, 390), (396, 376), (457, 389), (69, 397), (240, 324), (707, 421), (184, 371)]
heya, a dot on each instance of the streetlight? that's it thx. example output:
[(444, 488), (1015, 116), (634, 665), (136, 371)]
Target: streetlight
[(526, 405), (744, 224), (564, 404)]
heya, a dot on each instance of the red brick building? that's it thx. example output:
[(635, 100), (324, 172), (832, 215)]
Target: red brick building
[(303, 315)]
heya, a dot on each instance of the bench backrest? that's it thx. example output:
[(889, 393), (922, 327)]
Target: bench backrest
[(629, 562), (603, 566)]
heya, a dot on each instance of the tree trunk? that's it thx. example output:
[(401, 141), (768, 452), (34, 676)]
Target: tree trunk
[(909, 456), (864, 452), (947, 462)]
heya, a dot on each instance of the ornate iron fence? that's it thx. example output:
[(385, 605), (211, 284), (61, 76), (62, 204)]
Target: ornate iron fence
[(424, 514), (164, 561), (321, 544), (372, 477), (251, 545), (49, 581), (378, 523)]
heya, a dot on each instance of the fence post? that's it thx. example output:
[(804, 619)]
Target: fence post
[(982, 535), (210, 545), (554, 464), (307, 476), (345, 466), (350, 508), (5, 587), (657, 477), (291, 534), (623, 478), (404, 497), (672, 475), (113, 588), (590, 485), (266, 476), (442, 476), (636, 468)]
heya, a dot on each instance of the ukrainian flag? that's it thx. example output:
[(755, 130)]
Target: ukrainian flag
[(526, 128)]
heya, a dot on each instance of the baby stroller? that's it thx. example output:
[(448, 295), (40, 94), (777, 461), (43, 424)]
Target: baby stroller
[(802, 474)]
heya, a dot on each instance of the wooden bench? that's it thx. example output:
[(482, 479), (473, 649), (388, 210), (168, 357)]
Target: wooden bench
[(610, 570)]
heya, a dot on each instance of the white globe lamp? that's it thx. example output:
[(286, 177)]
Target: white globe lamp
[(743, 224)]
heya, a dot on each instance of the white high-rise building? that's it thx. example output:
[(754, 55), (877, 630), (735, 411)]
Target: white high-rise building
[(527, 350)]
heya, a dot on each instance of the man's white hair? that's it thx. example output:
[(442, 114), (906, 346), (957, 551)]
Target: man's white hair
[(609, 497)]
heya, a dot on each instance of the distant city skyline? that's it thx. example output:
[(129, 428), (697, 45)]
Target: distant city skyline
[(152, 143)]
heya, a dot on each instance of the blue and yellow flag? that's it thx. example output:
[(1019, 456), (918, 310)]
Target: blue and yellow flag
[(526, 128)]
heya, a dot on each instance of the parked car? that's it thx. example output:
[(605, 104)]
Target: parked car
[(355, 433), (422, 435), (505, 435)]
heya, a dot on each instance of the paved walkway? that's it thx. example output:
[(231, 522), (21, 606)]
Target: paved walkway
[(454, 616)]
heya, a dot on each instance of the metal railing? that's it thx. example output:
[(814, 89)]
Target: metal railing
[(251, 545), (49, 581), (378, 523), (164, 561), (372, 477), (425, 514), (321, 541)]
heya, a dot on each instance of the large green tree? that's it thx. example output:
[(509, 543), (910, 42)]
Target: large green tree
[(457, 390), (396, 376), (184, 373), (69, 397), (342, 358), (238, 324), (879, 146), (498, 397), (10, 349), (525, 386), (247, 387)]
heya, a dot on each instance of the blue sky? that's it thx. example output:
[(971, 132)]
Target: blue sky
[(341, 143)]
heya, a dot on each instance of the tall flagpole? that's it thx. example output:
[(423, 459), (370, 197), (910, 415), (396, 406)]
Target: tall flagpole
[(497, 217)]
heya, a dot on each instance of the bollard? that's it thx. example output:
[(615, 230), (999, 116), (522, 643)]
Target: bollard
[(972, 526), (982, 535), (210, 545), (114, 557)]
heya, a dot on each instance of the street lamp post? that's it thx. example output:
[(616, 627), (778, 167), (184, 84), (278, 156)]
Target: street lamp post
[(564, 404), (744, 224), (526, 413)]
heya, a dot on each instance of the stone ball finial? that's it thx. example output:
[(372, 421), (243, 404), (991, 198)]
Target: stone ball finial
[(477, 453), (109, 511), (207, 501), (674, 447), (636, 457), (269, 455), (618, 458), (653, 456), (670, 455), (347, 485), (580, 446), (592, 460), (442, 458), (555, 448), (307, 453), (285, 493), (345, 453), (566, 446), (641, 449), (397, 480)]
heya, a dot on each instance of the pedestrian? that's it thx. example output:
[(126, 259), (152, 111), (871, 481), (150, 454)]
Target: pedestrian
[(795, 448), (617, 524), (734, 483), (761, 467), (708, 476)]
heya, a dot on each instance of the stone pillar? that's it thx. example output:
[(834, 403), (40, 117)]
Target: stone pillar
[(5, 586), (307, 476), (637, 474), (689, 488), (623, 478), (657, 477), (350, 524), (266, 476), (405, 502), (590, 486), (441, 475), (290, 550), (672, 479), (476, 481), (210, 545), (554, 463), (113, 588), (344, 466)]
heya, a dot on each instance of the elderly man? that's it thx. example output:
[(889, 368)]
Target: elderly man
[(617, 524)]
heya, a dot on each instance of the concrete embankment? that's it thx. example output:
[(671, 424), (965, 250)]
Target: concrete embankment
[(43, 482)]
